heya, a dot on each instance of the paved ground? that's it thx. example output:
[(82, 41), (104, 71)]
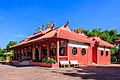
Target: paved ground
[(104, 72)]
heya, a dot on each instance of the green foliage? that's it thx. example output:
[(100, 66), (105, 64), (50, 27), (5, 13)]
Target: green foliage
[(11, 43), (87, 32), (2, 51), (107, 35), (52, 60), (49, 60), (95, 32), (2, 58), (38, 60), (44, 59), (2, 54), (114, 50), (113, 59)]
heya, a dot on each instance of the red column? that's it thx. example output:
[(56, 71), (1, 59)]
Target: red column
[(98, 54), (58, 52), (90, 54), (68, 51)]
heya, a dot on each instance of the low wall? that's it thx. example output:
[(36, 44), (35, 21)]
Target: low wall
[(51, 65)]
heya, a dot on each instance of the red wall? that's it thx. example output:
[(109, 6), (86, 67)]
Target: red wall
[(82, 59), (103, 59)]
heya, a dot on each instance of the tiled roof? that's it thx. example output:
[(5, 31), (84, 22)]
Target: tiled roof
[(41, 32), (61, 32), (48, 35), (73, 36), (101, 42), (117, 41)]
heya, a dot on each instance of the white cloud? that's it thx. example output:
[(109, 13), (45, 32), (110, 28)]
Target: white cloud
[(19, 35)]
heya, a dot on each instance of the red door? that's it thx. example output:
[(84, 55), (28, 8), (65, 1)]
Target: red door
[(94, 54)]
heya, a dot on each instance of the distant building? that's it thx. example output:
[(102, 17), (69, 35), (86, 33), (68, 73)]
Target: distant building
[(117, 54), (63, 44)]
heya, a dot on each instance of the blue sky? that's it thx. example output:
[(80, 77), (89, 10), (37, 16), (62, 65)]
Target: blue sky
[(20, 18)]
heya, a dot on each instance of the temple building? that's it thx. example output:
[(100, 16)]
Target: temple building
[(101, 53), (62, 44)]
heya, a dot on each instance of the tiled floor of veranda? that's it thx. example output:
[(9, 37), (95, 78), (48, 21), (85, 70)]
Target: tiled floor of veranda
[(96, 72)]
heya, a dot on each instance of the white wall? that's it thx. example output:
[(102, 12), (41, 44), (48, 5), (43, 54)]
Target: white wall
[(77, 44)]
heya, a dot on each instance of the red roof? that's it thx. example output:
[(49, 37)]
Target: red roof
[(40, 33), (65, 34), (117, 41), (61, 32), (101, 42)]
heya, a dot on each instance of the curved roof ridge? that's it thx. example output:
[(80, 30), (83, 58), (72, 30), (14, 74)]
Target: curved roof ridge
[(100, 41)]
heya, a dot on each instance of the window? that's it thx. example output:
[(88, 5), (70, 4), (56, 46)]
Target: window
[(74, 51), (52, 49), (106, 53), (83, 51), (53, 52), (62, 51), (101, 53), (44, 50)]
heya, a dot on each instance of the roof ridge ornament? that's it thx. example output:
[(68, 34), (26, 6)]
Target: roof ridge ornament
[(38, 30), (67, 23), (53, 26), (50, 24)]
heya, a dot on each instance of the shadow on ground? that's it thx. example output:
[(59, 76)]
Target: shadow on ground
[(93, 72), (88, 72)]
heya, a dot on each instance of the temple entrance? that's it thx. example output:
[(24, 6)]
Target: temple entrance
[(36, 54), (44, 51), (94, 55)]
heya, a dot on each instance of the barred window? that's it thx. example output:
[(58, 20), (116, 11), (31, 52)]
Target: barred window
[(74, 51), (101, 53), (106, 53), (83, 51)]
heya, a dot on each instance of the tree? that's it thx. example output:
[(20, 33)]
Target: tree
[(87, 32), (2, 56), (11, 43), (95, 32), (105, 36)]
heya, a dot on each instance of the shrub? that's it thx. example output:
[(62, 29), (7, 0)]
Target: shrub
[(52, 60), (2, 58), (38, 60), (113, 59), (49, 60), (44, 59)]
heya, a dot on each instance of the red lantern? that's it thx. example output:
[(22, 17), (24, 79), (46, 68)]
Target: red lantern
[(36, 46), (44, 45)]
